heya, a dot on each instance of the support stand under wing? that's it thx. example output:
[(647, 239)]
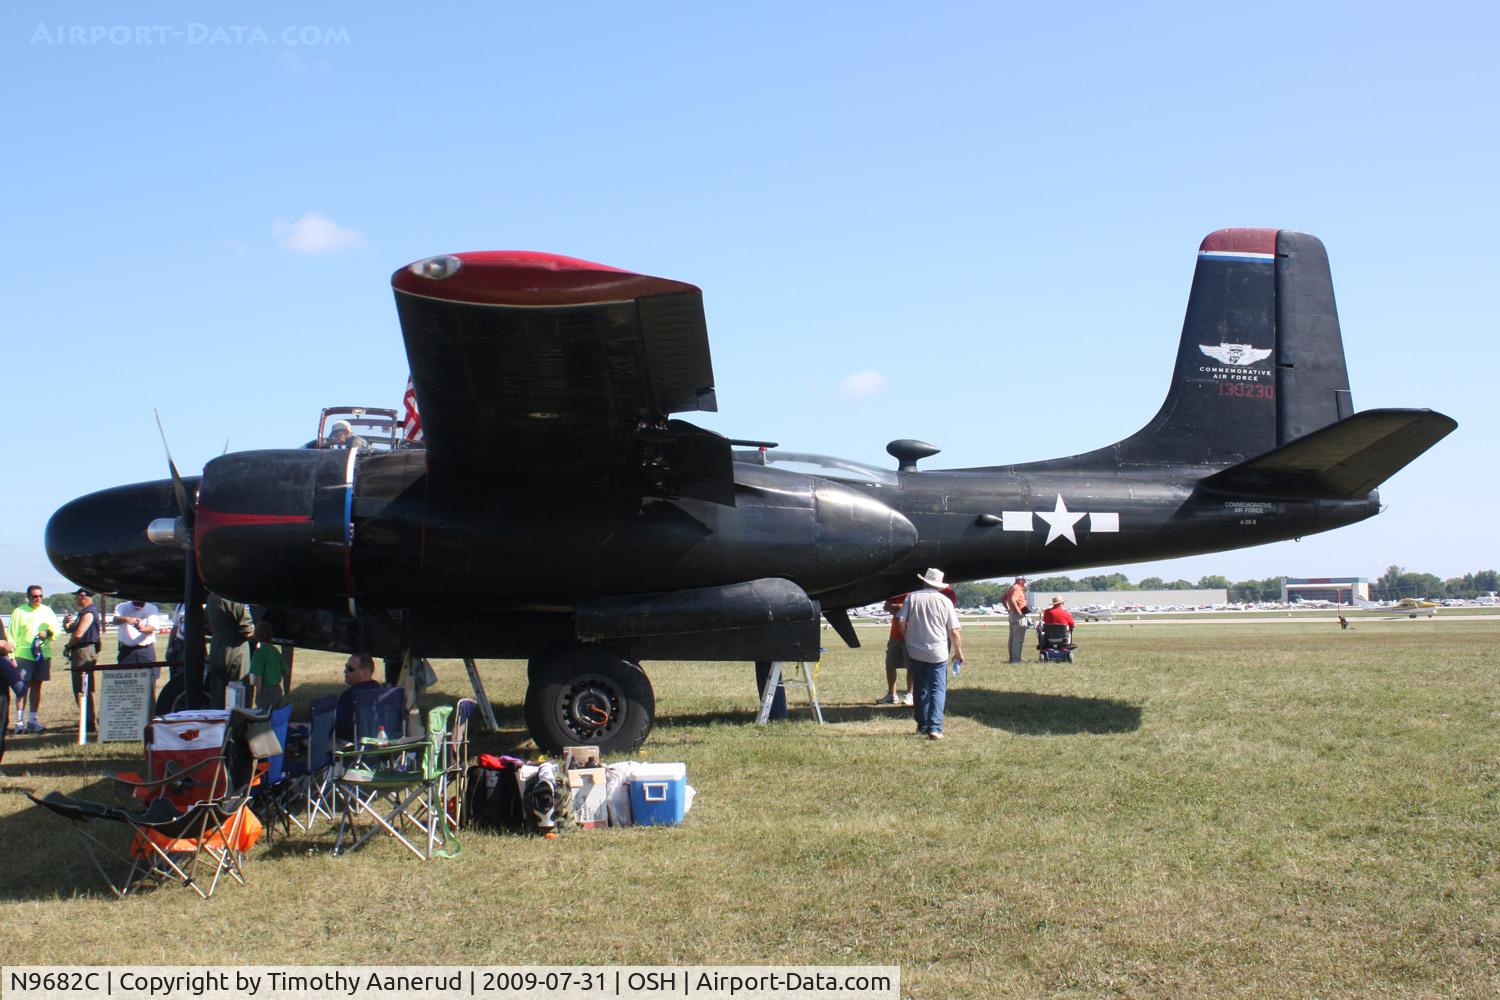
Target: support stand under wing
[(808, 674), (485, 708)]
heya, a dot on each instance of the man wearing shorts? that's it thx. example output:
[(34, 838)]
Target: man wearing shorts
[(895, 655), (32, 629)]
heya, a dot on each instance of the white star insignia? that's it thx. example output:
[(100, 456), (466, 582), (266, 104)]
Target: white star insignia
[(1060, 522)]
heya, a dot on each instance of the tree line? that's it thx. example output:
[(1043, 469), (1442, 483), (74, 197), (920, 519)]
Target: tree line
[(1396, 583)]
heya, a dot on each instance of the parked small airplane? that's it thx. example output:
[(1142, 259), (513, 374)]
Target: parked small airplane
[(558, 514), (1412, 607)]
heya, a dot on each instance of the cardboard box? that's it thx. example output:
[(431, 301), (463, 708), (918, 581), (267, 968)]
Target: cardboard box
[(580, 757), (586, 793)]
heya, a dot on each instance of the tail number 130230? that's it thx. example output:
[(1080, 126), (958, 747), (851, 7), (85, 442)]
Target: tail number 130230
[(1247, 390)]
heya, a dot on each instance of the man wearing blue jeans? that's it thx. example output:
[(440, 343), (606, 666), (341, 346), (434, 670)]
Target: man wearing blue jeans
[(932, 627)]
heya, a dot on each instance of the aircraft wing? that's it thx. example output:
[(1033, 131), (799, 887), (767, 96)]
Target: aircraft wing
[(559, 373), (1346, 459)]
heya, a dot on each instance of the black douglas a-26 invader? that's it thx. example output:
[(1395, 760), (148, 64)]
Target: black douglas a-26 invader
[(558, 514)]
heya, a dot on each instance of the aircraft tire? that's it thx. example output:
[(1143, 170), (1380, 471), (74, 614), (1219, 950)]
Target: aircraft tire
[(574, 686), (173, 696)]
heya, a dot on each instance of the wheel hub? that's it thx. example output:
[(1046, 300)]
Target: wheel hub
[(590, 707)]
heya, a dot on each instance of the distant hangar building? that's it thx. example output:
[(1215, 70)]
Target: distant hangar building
[(1339, 589)]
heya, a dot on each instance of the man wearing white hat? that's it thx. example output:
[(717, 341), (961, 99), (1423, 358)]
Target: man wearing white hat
[(932, 630), (341, 435)]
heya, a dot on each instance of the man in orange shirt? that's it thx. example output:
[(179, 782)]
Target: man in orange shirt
[(1015, 606)]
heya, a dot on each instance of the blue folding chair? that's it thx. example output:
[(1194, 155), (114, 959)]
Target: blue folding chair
[(379, 713), (310, 789), (267, 797)]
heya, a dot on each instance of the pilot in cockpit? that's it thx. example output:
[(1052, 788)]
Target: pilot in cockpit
[(343, 436)]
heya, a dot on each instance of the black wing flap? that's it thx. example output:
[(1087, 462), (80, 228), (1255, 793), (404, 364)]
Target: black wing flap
[(1344, 460), (562, 373)]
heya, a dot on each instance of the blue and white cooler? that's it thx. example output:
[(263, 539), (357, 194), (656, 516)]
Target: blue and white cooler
[(658, 794)]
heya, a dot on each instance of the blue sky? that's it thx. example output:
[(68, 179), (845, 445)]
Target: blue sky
[(956, 222)]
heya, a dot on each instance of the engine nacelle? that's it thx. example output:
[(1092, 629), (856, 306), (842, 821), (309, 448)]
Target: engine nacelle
[(274, 527)]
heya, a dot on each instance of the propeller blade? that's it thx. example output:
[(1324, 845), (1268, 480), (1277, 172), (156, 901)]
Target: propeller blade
[(194, 627), (179, 488)]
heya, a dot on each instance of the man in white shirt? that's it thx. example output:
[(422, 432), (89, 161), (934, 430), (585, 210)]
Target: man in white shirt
[(932, 631), (138, 625)]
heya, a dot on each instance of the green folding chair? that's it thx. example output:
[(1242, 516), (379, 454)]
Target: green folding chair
[(397, 786)]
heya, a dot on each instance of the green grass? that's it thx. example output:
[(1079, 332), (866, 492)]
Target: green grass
[(1239, 809)]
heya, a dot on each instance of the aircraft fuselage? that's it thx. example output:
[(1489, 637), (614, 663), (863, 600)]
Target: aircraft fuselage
[(984, 524), (392, 538)]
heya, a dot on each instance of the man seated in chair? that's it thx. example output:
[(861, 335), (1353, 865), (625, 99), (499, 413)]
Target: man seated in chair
[(1058, 614), (359, 675)]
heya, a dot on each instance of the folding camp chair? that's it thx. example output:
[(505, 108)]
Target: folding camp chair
[(379, 717), (310, 791), (268, 798), (398, 785), (456, 774), (177, 744), (196, 826), (379, 711)]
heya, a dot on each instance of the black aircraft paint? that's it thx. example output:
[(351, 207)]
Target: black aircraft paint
[(558, 514)]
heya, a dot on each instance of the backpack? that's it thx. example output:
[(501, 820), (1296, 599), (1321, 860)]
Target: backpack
[(493, 798)]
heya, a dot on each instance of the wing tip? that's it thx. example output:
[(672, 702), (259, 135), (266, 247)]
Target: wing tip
[(527, 278)]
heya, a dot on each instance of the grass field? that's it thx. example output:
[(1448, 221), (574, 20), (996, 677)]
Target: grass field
[(1237, 809)]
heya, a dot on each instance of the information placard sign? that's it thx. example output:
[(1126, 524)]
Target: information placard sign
[(124, 704)]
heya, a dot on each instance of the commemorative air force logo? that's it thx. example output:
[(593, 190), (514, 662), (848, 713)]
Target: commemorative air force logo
[(1235, 354)]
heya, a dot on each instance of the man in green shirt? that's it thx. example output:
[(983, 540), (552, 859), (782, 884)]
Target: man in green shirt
[(32, 628), (267, 668)]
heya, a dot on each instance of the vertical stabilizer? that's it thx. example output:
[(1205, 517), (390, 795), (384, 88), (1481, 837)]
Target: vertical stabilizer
[(1261, 360)]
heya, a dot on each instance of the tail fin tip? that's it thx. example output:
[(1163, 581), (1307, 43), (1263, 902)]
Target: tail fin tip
[(1257, 242)]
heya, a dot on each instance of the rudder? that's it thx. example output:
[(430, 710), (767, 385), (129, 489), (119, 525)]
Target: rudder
[(1312, 388)]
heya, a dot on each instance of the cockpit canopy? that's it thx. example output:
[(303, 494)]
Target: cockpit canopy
[(826, 466)]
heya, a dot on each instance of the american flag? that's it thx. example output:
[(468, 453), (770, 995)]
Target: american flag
[(411, 424)]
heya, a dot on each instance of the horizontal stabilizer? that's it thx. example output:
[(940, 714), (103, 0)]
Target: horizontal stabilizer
[(1344, 460)]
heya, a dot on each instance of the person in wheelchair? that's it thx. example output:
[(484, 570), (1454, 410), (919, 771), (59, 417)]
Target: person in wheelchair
[(1055, 633)]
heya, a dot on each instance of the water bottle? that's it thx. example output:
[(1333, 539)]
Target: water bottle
[(958, 665), (380, 736)]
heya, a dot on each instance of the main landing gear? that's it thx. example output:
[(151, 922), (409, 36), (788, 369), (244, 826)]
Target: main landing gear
[(173, 696), (580, 693)]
